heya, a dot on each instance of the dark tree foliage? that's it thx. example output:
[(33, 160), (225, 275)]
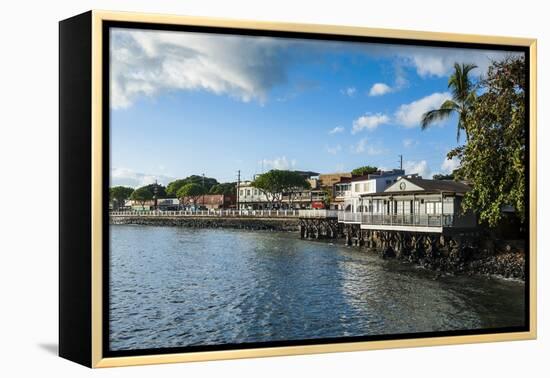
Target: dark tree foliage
[(141, 195), (174, 186), (494, 158), (366, 170), (190, 193), (443, 177), (228, 188), (275, 183), (119, 194), (161, 190)]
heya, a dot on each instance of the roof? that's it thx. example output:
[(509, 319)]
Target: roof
[(436, 186)]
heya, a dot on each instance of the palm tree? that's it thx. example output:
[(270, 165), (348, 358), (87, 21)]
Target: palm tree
[(463, 94)]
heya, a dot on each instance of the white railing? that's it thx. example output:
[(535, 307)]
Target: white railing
[(417, 220), (318, 213), (313, 213), (349, 217), (208, 213)]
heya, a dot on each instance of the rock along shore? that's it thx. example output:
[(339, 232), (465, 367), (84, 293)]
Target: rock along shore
[(241, 223)]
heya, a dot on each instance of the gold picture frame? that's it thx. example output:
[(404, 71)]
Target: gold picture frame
[(94, 262)]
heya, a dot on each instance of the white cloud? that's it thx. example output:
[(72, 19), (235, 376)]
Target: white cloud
[(349, 91), (379, 89), (449, 165), (439, 62), (420, 167), (410, 115), (369, 122), (409, 142), (128, 177), (279, 163), (334, 150), (336, 130), (363, 146), (146, 63), (360, 146)]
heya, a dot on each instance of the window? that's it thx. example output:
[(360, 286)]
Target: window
[(433, 207), (400, 207), (430, 208), (357, 187), (247, 192)]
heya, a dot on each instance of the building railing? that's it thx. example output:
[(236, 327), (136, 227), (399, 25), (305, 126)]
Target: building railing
[(417, 220), (313, 213), (207, 213), (413, 220), (349, 217), (318, 213)]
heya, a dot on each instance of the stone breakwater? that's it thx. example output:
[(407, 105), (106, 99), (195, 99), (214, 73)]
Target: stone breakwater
[(505, 260), (256, 224)]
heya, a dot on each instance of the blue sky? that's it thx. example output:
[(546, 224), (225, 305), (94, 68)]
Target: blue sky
[(188, 103)]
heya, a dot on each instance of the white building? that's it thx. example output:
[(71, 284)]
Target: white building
[(250, 197), (360, 185), (413, 204)]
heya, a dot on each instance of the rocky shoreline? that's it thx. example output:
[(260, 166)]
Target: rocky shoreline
[(501, 258), (254, 224), (505, 262)]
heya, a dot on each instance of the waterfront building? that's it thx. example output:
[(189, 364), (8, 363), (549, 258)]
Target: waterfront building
[(327, 180), (412, 204), (165, 204), (366, 184), (217, 201), (348, 191), (251, 198), (341, 191)]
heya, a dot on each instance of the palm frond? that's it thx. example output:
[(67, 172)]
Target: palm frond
[(435, 115), (460, 83), (450, 104)]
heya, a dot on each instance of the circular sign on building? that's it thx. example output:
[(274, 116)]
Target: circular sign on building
[(402, 186)]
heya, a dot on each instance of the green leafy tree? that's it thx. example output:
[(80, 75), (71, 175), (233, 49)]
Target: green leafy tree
[(119, 194), (141, 196), (227, 188), (366, 170), (190, 193), (174, 186), (161, 190), (493, 161), (463, 92), (275, 183), (443, 177), (294, 183)]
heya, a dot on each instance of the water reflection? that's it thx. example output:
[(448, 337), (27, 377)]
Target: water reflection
[(180, 287)]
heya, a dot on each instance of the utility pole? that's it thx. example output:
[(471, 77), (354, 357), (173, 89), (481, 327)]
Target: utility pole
[(238, 185), (155, 192), (400, 162), (203, 190)]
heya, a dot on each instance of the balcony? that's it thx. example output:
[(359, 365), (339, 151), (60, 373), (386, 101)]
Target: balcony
[(418, 220)]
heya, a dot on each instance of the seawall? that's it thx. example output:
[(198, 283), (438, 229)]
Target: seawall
[(242, 223)]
